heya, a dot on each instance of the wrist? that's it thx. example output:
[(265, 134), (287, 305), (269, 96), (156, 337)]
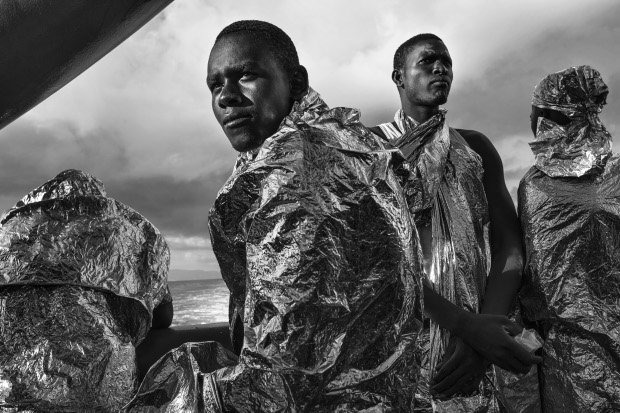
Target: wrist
[(462, 324)]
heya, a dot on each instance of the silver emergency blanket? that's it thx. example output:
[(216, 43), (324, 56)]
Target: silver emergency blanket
[(583, 146), (520, 393), (80, 274), (177, 381), (447, 193), (571, 292), (317, 247)]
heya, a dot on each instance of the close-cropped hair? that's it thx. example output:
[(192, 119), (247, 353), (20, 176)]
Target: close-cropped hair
[(278, 42), (400, 57)]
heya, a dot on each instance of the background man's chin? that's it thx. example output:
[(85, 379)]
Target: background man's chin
[(245, 143), (441, 100)]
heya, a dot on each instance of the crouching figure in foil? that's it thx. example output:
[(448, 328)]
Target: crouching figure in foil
[(82, 278), (570, 212), (316, 244)]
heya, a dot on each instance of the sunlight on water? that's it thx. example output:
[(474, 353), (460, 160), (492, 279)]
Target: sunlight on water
[(199, 302)]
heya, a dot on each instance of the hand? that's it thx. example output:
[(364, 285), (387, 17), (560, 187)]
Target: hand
[(492, 337), (460, 371)]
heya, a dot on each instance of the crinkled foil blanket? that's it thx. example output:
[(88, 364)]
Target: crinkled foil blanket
[(572, 286), (582, 146), (80, 274), (446, 189), (316, 245)]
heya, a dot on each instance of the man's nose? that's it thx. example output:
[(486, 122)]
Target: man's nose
[(439, 68), (230, 95)]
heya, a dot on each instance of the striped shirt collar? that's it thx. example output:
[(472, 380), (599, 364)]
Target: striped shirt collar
[(405, 123), (401, 124)]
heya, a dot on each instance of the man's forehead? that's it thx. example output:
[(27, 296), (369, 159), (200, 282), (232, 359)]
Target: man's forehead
[(430, 46), (239, 49), (244, 42)]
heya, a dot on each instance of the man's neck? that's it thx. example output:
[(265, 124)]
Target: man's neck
[(420, 113)]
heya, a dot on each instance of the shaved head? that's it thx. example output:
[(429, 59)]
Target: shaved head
[(400, 57), (278, 42)]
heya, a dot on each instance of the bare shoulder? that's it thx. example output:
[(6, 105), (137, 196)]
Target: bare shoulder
[(477, 141), (482, 146)]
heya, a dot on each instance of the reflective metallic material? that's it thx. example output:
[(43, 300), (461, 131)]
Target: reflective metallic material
[(529, 339), (520, 393), (316, 245), (446, 192), (80, 274), (572, 286), (179, 379), (583, 146)]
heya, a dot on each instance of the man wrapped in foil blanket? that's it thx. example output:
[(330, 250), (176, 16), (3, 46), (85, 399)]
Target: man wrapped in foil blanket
[(570, 213), (82, 279)]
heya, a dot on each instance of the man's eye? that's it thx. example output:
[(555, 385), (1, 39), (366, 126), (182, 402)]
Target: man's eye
[(248, 76)]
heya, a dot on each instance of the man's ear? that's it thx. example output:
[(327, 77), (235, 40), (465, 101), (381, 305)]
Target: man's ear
[(397, 77), (299, 83)]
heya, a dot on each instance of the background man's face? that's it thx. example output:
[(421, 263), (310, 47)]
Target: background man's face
[(427, 75), (250, 92)]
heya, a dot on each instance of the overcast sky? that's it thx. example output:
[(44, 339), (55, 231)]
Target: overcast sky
[(140, 119)]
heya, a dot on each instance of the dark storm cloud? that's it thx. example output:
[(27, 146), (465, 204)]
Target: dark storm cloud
[(174, 206), (31, 155)]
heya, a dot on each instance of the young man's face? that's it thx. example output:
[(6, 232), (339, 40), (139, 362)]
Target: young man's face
[(250, 92), (427, 75)]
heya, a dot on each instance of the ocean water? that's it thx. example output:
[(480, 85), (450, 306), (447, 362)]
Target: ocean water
[(199, 302)]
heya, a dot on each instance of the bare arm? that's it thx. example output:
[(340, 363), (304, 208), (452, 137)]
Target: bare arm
[(489, 333), (506, 248)]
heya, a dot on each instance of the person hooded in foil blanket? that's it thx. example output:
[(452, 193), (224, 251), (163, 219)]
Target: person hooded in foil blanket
[(470, 238), (82, 280), (569, 204), (316, 244)]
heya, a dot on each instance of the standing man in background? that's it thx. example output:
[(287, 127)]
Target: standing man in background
[(469, 234)]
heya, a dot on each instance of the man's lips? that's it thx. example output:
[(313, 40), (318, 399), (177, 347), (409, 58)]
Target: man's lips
[(234, 120), (441, 82)]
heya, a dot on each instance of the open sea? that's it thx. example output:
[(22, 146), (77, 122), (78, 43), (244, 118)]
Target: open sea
[(199, 302)]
